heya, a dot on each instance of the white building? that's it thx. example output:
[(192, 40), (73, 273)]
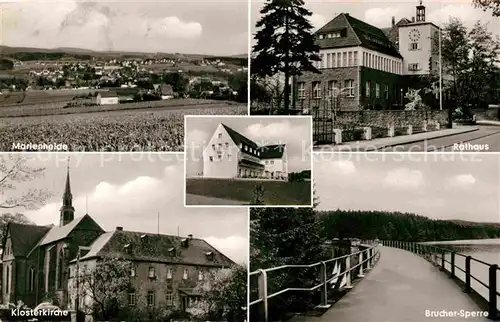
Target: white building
[(229, 154), (107, 98)]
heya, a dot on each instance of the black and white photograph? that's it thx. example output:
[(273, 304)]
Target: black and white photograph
[(407, 76), (243, 160), (117, 75), (106, 237), (391, 237)]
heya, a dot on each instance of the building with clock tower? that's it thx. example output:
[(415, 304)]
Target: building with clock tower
[(418, 44)]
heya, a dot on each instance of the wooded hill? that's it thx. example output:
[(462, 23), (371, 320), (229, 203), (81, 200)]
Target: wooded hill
[(387, 225)]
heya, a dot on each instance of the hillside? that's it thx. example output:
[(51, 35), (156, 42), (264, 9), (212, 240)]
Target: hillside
[(21, 53)]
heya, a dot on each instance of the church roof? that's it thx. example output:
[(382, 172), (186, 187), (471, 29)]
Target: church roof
[(356, 33), (24, 237), (137, 246), (58, 233)]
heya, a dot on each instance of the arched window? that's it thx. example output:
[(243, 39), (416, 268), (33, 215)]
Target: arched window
[(31, 279), (60, 269)]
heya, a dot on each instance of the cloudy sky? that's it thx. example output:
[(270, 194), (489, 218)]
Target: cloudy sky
[(189, 26), (129, 190), (379, 13), (292, 131), (465, 187)]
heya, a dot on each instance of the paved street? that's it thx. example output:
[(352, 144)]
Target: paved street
[(485, 135), (401, 287)]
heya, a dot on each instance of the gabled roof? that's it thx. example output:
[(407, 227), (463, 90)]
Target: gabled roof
[(365, 35), (57, 233), (272, 151), (24, 237), (156, 248), (238, 138)]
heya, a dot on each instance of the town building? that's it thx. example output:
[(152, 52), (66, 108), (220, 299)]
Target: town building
[(40, 263), (107, 98), (365, 67), (229, 154), (165, 91)]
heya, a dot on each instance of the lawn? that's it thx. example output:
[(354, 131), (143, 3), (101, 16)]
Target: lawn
[(277, 193)]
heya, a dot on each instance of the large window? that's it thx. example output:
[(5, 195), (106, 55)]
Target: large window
[(350, 59), (301, 90), (316, 90), (344, 59), (169, 273), (349, 87), (386, 91), (151, 272), (131, 299), (151, 298), (339, 64), (355, 58), (415, 46), (31, 279), (169, 299), (331, 88), (377, 90), (368, 88)]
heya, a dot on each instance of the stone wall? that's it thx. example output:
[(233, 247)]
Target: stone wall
[(385, 118)]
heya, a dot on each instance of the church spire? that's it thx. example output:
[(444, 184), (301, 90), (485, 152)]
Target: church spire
[(67, 210)]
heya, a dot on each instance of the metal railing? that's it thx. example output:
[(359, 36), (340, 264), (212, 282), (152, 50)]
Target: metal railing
[(366, 259), (437, 256)]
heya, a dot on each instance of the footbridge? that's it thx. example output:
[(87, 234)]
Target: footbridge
[(391, 281)]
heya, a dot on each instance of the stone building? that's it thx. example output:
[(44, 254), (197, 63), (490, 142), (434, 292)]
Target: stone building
[(39, 261)]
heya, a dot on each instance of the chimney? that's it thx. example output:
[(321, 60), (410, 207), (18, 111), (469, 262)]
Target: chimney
[(190, 236), (393, 21), (119, 228)]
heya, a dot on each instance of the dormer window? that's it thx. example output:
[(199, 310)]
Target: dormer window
[(171, 252), (185, 242), (144, 238), (151, 272), (169, 273), (209, 255)]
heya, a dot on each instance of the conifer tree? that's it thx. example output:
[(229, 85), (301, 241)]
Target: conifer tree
[(285, 43)]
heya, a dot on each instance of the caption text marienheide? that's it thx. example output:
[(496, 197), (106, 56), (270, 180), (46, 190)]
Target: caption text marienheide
[(455, 314)]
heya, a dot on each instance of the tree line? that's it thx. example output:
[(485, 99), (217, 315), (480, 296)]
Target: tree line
[(387, 225)]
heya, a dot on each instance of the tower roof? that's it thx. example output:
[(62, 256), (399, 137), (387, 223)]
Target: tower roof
[(67, 188)]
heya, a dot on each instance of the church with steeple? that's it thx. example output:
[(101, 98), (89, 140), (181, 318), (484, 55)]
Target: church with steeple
[(36, 258), (39, 262)]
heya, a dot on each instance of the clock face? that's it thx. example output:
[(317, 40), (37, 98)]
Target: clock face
[(414, 35)]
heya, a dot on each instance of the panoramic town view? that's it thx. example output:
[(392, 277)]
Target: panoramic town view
[(411, 76), (391, 237), (116, 76), (95, 237)]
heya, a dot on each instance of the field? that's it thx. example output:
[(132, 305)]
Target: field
[(276, 193), (56, 106), (158, 129)]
